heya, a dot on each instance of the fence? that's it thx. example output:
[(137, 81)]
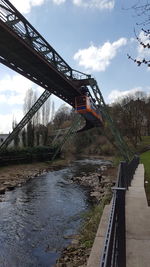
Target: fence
[(114, 252)]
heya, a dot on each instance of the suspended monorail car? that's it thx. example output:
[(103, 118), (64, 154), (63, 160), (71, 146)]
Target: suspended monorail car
[(89, 110)]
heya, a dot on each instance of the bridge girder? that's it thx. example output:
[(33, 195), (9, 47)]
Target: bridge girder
[(25, 51)]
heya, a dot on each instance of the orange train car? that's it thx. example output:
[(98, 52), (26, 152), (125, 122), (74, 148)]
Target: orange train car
[(89, 110)]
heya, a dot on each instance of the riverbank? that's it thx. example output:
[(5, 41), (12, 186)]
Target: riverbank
[(17, 175), (99, 185), (96, 183)]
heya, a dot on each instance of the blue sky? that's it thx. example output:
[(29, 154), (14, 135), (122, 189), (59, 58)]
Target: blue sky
[(93, 36)]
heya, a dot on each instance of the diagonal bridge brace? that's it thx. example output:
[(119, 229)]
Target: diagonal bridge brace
[(70, 133), (118, 138), (25, 119)]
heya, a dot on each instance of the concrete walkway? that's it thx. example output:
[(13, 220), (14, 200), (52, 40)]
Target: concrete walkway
[(137, 223)]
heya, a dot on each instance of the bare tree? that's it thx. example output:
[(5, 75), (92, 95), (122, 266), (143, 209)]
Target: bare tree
[(130, 114), (36, 117), (62, 115), (28, 100), (30, 134), (16, 139), (142, 10), (53, 111), (46, 112)]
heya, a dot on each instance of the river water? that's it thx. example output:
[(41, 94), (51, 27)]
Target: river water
[(35, 219)]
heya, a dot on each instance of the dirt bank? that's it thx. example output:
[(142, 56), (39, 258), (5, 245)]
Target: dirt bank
[(16, 175)]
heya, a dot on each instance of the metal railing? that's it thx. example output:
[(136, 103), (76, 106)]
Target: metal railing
[(114, 251)]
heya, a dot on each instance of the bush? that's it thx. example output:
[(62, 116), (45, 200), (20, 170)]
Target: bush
[(92, 220), (26, 155), (107, 149)]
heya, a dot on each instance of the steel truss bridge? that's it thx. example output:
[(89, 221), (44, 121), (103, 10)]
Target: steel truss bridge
[(24, 50)]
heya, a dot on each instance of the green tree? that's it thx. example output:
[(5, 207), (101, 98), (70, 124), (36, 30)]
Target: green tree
[(30, 134), (24, 142)]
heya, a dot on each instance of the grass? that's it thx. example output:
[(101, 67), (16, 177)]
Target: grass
[(145, 159), (92, 219), (144, 143), (116, 160), (146, 140)]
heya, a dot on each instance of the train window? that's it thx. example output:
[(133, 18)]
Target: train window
[(81, 100)]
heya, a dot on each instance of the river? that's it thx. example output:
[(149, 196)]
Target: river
[(35, 219)]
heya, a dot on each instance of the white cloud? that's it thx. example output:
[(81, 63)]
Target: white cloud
[(12, 93), (132, 40), (11, 99), (3, 98), (58, 2), (99, 58), (26, 5), (13, 89), (116, 95), (143, 52), (6, 120), (100, 4)]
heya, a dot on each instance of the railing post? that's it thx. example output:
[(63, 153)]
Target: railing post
[(123, 181), (121, 228)]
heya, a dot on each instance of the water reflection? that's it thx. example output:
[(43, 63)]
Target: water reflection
[(35, 218)]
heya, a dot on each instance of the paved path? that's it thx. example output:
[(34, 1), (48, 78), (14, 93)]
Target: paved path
[(137, 223)]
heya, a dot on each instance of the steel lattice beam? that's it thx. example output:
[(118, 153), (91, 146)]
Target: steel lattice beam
[(10, 16), (118, 138), (24, 50), (26, 119)]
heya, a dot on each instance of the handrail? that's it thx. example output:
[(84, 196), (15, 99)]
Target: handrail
[(114, 251)]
